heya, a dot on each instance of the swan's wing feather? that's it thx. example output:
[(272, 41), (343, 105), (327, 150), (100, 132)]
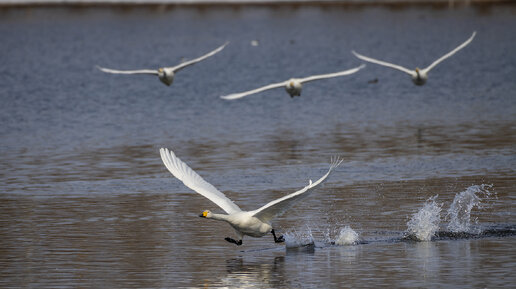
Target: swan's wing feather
[(193, 61), (380, 62), (140, 71), (451, 52), (279, 206), (195, 182), (330, 75), (260, 89)]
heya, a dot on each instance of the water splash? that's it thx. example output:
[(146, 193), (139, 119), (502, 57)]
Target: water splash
[(347, 236), (321, 236), (459, 212), (296, 239), (424, 224)]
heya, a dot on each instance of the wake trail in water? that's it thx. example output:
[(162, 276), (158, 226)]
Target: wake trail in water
[(424, 225)]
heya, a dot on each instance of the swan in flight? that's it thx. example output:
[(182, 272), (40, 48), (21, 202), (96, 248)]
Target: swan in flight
[(293, 85), (165, 74), (251, 223), (419, 76)]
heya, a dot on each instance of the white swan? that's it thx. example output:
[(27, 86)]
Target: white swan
[(419, 76), (293, 85), (252, 223), (165, 74)]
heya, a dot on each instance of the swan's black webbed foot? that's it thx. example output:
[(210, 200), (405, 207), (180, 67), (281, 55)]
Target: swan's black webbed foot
[(279, 239), (238, 243)]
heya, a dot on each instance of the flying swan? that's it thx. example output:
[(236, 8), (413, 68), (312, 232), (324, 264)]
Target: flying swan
[(293, 85), (165, 74), (251, 223), (419, 76)]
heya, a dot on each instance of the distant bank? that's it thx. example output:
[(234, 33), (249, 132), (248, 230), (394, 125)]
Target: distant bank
[(201, 3)]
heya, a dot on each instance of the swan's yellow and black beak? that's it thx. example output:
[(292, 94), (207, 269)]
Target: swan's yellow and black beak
[(204, 214)]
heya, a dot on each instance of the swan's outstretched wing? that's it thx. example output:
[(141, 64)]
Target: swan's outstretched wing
[(260, 89), (330, 75), (193, 61), (451, 52), (372, 60), (279, 206), (141, 71), (195, 182)]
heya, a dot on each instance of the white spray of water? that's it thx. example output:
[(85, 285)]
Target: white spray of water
[(321, 237), (425, 222), (459, 212), (297, 239), (347, 236)]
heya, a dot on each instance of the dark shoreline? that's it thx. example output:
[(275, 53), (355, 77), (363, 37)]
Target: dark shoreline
[(267, 4)]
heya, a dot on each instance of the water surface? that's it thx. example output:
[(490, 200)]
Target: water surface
[(86, 201)]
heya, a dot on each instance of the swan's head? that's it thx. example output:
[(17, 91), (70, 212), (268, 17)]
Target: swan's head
[(205, 214), (420, 77), (166, 75), (293, 87)]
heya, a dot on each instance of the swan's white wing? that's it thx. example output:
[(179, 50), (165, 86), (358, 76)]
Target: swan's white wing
[(195, 182), (279, 206), (193, 61), (242, 94), (372, 60), (329, 75), (451, 52), (141, 71)]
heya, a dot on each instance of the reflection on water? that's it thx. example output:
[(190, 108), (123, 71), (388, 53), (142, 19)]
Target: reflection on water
[(426, 261), (248, 274)]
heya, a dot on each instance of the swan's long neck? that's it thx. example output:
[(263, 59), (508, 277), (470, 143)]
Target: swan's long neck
[(219, 217)]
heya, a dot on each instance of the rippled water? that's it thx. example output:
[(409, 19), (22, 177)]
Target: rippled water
[(86, 201)]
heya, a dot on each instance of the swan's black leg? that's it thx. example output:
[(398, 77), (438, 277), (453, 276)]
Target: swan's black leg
[(239, 242), (277, 240)]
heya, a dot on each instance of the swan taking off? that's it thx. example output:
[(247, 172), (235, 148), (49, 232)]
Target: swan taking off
[(251, 223), (165, 74), (293, 85), (419, 76)]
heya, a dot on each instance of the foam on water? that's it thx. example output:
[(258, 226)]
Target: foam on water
[(324, 236), (347, 236), (295, 239), (424, 224), (459, 213)]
